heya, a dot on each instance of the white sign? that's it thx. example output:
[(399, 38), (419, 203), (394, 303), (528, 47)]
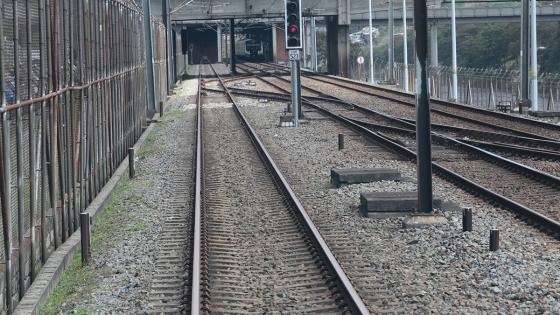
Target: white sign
[(293, 54), (360, 60)]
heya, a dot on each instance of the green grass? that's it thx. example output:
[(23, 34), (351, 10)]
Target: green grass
[(327, 185), (149, 147), (79, 281), (75, 277), (173, 114)]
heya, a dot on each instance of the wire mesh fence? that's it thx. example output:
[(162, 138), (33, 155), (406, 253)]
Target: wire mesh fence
[(73, 101), (482, 87)]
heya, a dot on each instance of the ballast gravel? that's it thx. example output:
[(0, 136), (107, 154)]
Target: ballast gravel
[(439, 269), (124, 267)]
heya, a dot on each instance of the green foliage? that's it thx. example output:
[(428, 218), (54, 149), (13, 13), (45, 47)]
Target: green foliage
[(479, 45)]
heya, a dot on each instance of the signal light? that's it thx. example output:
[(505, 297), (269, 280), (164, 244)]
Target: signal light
[(293, 24)]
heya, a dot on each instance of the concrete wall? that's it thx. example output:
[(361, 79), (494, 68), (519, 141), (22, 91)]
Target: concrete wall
[(280, 45)]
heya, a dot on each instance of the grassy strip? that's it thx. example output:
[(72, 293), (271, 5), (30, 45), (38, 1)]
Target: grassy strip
[(80, 281)]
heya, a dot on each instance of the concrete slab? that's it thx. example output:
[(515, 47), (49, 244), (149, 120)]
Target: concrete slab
[(347, 176), (544, 114), (418, 221), (391, 204)]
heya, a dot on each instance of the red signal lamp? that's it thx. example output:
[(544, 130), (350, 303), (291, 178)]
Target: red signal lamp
[(293, 29)]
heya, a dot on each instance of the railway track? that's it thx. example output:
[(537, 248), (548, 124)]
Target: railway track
[(497, 141), (255, 248), (448, 112), (529, 192)]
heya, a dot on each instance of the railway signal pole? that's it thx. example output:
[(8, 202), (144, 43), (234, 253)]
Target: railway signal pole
[(423, 132), (294, 45), (524, 54)]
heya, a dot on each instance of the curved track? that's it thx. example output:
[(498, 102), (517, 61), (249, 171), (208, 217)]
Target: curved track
[(530, 192), (452, 111)]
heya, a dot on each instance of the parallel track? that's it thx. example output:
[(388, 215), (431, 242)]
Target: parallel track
[(255, 249), (473, 115), (529, 192)]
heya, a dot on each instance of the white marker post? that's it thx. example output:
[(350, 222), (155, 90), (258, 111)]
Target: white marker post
[(405, 47), (294, 56)]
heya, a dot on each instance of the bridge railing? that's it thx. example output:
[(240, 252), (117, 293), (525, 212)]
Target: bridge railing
[(73, 101)]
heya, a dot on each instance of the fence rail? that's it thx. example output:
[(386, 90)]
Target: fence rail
[(481, 87), (73, 101)]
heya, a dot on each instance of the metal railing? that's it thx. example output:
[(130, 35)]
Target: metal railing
[(73, 101), (481, 87)]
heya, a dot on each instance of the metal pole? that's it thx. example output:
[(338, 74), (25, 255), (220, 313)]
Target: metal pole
[(149, 58), (391, 42), (534, 65), (5, 179), (453, 50), (314, 44), (219, 39), (370, 46), (169, 46), (295, 90), (434, 44), (405, 47), (85, 238), (19, 154), (232, 44), (524, 53), (423, 139)]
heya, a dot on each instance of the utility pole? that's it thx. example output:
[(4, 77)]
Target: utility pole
[(232, 44), (453, 50), (405, 47), (524, 54), (314, 44), (423, 132), (149, 58), (168, 44), (534, 65), (370, 45), (219, 39), (391, 42)]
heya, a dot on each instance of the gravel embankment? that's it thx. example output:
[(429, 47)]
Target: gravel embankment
[(123, 268), (434, 270)]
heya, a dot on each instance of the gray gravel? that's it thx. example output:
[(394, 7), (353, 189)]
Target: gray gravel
[(434, 270), (124, 267)]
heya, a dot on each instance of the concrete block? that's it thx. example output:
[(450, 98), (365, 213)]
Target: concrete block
[(287, 120), (390, 204), (418, 221), (347, 176), (544, 114)]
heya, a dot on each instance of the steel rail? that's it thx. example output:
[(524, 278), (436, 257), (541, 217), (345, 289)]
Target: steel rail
[(351, 297), (488, 135), (317, 77), (410, 124), (197, 246), (550, 224), (438, 101)]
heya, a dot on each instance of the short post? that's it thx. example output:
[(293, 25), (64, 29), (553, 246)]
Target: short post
[(340, 141), (131, 166), (494, 240), (467, 220), (86, 238), (161, 109)]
